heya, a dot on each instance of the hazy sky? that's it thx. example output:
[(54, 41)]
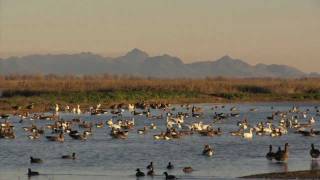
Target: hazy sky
[(258, 31)]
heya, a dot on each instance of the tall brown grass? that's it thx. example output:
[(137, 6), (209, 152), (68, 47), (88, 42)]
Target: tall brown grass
[(52, 83)]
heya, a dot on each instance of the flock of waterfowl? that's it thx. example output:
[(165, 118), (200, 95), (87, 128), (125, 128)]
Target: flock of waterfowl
[(278, 124)]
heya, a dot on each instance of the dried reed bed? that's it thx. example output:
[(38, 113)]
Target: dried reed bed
[(53, 83)]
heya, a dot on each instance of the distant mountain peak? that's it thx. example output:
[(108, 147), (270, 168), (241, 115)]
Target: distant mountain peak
[(136, 53), (229, 60), (138, 62), (226, 57)]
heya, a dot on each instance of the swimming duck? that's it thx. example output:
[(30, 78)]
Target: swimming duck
[(59, 138), (99, 125), (187, 169), (233, 108), (142, 131), (169, 177), (170, 166), (270, 154), (275, 133), (77, 136), (314, 153), (139, 173), (88, 132), (207, 151), (153, 126), (239, 132), (282, 155), (32, 173), (307, 133), (135, 113), (73, 156), (253, 109), (119, 134), (35, 160), (35, 135)]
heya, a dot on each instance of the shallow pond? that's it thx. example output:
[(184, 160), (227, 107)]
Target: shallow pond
[(102, 157)]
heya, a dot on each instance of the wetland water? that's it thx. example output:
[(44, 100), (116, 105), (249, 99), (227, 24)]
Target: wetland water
[(103, 157)]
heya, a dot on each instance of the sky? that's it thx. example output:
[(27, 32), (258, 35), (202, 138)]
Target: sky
[(257, 31)]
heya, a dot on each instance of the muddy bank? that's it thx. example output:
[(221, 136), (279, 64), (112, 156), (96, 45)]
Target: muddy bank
[(306, 174)]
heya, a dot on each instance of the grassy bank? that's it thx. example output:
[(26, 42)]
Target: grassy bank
[(50, 89)]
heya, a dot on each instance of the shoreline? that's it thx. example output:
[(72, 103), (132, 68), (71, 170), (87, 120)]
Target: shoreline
[(42, 104), (302, 174)]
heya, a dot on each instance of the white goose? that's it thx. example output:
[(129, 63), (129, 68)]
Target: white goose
[(248, 135), (179, 119), (57, 108), (153, 126), (67, 108), (109, 122), (98, 106), (312, 120), (268, 129), (131, 107), (78, 109)]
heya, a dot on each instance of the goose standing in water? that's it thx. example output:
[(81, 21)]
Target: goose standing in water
[(56, 108), (314, 153), (282, 156), (270, 154), (248, 135), (78, 109)]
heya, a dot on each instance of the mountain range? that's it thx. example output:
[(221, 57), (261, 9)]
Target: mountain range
[(139, 63)]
